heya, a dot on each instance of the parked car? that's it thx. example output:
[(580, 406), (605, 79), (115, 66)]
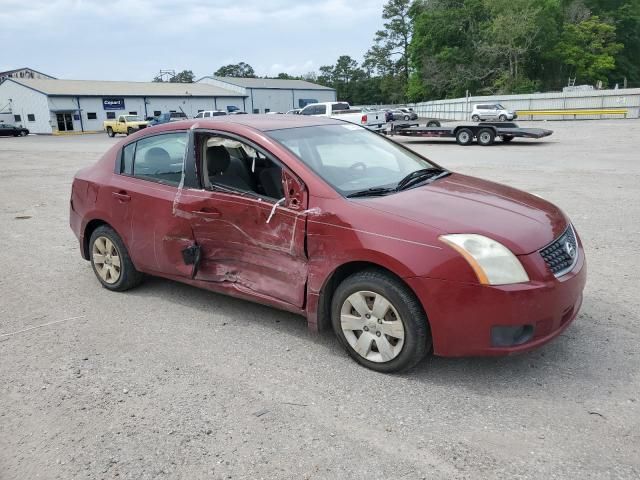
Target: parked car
[(210, 113), (403, 114), (166, 118), (492, 111), (126, 124), (343, 111), (328, 220), (12, 131)]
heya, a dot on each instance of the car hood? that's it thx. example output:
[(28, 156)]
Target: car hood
[(462, 204)]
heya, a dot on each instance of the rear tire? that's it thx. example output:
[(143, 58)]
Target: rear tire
[(433, 123), (396, 340), (464, 136), (502, 118), (111, 262), (475, 118), (407, 118), (24, 133), (485, 137), (110, 132)]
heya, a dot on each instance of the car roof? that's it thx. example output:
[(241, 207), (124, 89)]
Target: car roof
[(261, 122)]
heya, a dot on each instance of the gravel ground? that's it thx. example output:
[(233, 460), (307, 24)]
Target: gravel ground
[(168, 381)]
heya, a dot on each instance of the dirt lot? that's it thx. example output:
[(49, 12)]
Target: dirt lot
[(168, 381)]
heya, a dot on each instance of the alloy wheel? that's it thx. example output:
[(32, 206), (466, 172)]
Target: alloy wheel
[(372, 326), (106, 259)]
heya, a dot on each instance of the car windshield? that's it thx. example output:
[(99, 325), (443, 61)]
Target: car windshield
[(349, 157), (499, 107), (132, 118)]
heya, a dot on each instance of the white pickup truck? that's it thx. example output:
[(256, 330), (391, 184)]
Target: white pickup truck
[(343, 111)]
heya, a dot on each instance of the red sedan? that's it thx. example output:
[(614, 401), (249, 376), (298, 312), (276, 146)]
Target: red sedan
[(331, 221)]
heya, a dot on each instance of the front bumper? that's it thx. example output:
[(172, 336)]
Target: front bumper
[(462, 315)]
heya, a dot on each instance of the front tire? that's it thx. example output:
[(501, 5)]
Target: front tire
[(433, 123), (502, 118), (407, 118), (380, 322), (475, 118), (24, 133), (111, 262)]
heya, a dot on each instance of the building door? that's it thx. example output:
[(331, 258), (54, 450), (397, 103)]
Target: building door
[(65, 122)]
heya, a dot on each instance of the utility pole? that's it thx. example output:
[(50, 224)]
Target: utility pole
[(166, 75)]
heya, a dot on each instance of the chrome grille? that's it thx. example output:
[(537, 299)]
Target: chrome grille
[(561, 254)]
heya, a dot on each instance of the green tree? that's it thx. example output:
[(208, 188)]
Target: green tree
[(389, 56), (444, 49), (510, 36), (625, 16), (589, 48), (185, 76), (236, 70)]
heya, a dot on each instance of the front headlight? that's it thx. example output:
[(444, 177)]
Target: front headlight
[(493, 263)]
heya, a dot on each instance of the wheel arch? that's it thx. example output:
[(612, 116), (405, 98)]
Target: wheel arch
[(89, 228), (340, 273)]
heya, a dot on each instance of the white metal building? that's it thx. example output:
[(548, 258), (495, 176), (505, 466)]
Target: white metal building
[(272, 94), (24, 72), (62, 106)]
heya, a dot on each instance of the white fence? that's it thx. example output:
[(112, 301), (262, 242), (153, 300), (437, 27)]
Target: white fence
[(580, 104)]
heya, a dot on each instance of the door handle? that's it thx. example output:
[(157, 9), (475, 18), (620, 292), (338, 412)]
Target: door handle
[(208, 213), (123, 197)]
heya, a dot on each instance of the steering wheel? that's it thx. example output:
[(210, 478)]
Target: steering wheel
[(358, 165)]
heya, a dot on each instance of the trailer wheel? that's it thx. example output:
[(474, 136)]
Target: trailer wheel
[(507, 138), (464, 136), (485, 136), (475, 118), (433, 123)]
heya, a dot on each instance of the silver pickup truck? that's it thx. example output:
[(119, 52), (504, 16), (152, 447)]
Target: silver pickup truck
[(343, 111)]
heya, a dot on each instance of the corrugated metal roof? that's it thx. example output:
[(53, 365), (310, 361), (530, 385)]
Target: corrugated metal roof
[(100, 88), (273, 83), (25, 68)]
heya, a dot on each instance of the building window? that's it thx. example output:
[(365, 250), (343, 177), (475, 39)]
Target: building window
[(31, 117), (92, 116), (111, 115), (256, 110), (200, 111), (17, 118), (267, 110), (157, 113), (133, 113)]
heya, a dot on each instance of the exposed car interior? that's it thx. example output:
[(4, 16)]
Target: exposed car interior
[(234, 165)]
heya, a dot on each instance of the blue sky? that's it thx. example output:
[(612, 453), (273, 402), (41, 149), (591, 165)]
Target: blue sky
[(134, 39)]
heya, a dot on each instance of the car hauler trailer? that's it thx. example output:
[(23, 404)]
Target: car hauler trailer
[(485, 133)]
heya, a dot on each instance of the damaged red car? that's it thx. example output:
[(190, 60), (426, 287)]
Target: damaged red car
[(331, 221)]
